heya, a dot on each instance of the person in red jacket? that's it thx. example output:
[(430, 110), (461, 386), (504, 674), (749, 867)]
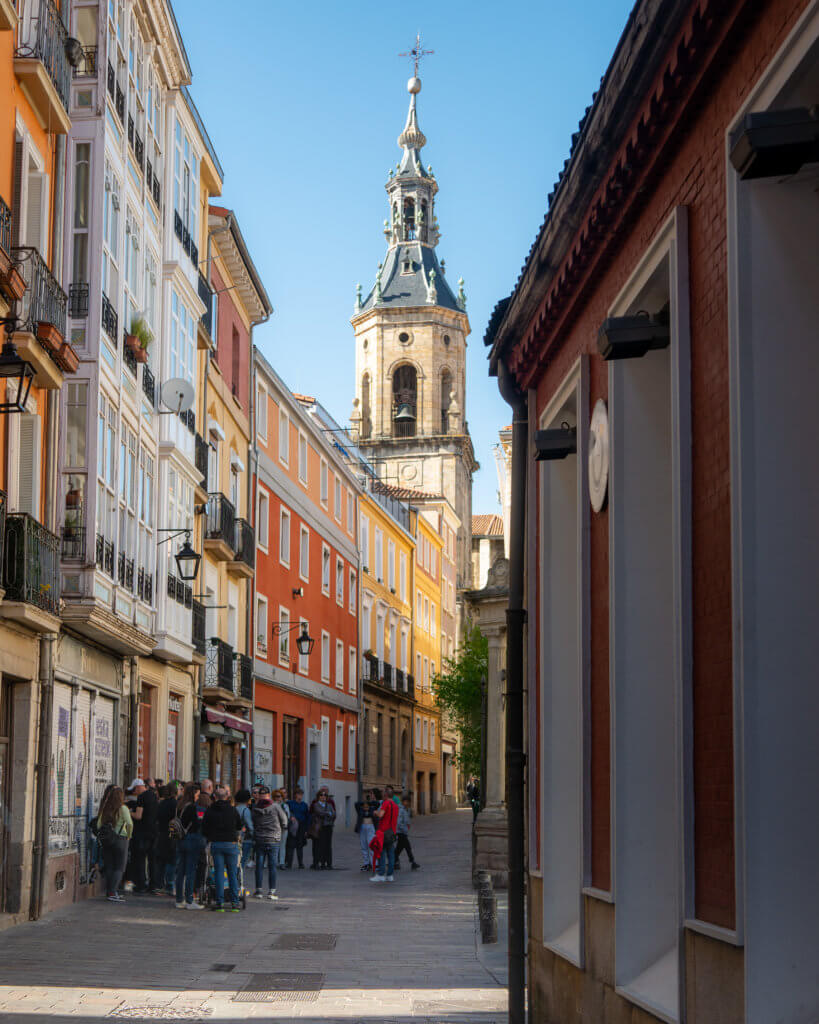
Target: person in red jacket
[(387, 819)]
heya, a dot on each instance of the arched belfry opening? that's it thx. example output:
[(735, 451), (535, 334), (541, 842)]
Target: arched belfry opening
[(366, 417), (404, 401), (446, 390), (409, 219)]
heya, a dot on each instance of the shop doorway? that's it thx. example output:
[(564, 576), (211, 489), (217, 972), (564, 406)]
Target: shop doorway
[(291, 753), (144, 739)]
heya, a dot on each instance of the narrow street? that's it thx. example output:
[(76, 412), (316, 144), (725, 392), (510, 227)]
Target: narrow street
[(402, 952)]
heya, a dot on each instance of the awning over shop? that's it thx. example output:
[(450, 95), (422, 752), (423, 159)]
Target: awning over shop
[(228, 720)]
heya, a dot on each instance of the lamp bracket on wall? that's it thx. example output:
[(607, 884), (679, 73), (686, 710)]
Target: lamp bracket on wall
[(630, 337), (555, 443)]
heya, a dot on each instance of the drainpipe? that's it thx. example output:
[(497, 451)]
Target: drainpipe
[(39, 852), (133, 744), (515, 756)]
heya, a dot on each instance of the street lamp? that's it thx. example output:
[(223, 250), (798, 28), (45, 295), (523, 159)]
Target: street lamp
[(304, 641), (187, 560), (14, 370)]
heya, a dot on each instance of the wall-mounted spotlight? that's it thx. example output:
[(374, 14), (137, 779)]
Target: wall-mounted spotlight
[(556, 443), (775, 143), (298, 591), (630, 337)]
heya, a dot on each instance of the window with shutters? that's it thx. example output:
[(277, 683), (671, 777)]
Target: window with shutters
[(262, 519), (364, 543), (350, 513), (261, 412), (284, 438), (284, 537), (284, 636), (29, 426), (351, 749), (337, 506), (352, 670), (325, 657), (81, 217), (325, 742), (391, 565), (353, 592), (340, 664), (402, 577), (379, 555), (339, 581), (339, 759), (30, 197), (404, 651), (324, 482), (110, 241), (325, 570), (302, 458)]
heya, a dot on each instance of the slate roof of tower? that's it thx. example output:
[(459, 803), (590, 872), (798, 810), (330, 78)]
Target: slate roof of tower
[(398, 289)]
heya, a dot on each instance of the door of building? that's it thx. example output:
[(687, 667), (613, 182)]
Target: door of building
[(144, 741), (5, 781), (291, 753), (314, 771)]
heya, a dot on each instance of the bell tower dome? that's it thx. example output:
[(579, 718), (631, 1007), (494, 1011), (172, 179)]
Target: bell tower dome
[(409, 411)]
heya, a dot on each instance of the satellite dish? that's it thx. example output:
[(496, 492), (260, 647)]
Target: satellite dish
[(177, 394)]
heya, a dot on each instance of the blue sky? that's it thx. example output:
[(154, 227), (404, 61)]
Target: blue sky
[(304, 103)]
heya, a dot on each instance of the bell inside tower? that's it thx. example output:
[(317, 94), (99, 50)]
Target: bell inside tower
[(404, 401)]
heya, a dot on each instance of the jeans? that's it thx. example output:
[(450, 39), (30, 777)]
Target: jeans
[(365, 835), (142, 849), (387, 860), (115, 855), (248, 846), (165, 865), (225, 856), (188, 853), (270, 852)]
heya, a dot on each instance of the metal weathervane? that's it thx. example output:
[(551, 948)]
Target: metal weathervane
[(416, 54)]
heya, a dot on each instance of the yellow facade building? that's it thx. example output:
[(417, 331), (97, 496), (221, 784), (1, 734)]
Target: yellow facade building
[(387, 560)]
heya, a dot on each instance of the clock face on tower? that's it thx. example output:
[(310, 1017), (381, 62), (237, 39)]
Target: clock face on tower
[(598, 455)]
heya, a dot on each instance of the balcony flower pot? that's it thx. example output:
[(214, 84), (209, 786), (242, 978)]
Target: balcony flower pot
[(49, 337), (141, 355), (14, 284), (132, 343), (66, 358), (140, 337)]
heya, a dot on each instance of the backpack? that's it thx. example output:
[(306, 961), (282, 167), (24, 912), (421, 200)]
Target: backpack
[(176, 830), (106, 834)]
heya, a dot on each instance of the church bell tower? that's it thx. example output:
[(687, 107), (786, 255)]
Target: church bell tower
[(410, 334)]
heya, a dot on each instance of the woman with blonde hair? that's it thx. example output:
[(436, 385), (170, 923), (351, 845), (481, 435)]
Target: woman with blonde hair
[(114, 828)]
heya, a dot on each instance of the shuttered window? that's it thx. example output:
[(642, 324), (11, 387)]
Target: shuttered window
[(28, 465)]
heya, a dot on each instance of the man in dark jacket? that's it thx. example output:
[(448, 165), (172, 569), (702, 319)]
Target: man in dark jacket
[(222, 826), (269, 821)]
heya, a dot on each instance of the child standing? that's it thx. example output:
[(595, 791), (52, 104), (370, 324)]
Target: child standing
[(402, 834)]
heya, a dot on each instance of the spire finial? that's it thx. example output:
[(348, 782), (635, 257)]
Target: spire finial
[(416, 54)]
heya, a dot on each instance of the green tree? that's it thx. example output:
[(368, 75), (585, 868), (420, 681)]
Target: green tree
[(459, 692)]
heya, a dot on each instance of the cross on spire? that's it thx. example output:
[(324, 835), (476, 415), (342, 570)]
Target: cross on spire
[(416, 53)]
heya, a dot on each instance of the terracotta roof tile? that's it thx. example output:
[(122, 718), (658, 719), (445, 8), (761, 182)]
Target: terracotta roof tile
[(487, 526)]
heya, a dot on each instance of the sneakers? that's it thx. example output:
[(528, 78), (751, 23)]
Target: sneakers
[(366, 867), (272, 896), (259, 895), (235, 908), (116, 898), (129, 887), (219, 908), (379, 878), (390, 878), (194, 906), (415, 865), (180, 906)]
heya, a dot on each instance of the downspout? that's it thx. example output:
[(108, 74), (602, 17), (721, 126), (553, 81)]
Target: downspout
[(515, 756), (133, 744), (46, 645)]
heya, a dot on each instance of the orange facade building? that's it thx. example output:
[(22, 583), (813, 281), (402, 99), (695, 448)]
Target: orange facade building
[(306, 712)]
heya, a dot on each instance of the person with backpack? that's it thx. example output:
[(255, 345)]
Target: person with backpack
[(114, 829), (242, 799), (186, 828), (164, 871), (269, 823)]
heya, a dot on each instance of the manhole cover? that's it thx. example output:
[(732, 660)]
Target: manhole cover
[(160, 1013), (223, 967), (280, 987), (305, 941)]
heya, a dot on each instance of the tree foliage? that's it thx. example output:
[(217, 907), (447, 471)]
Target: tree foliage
[(459, 691)]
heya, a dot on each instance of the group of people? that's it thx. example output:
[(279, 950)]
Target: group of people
[(383, 824), (153, 838)]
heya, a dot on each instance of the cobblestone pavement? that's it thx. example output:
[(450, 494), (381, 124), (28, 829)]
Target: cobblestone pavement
[(403, 952)]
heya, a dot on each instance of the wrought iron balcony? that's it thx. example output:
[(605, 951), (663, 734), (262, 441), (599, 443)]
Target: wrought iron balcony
[(399, 679), (5, 230), (129, 574), (157, 190), (188, 417), (100, 553), (178, 226), (87, 67), (245, 546), (149, 385), (198, 620), (201, 459), (78, 294), (140, 590), (43, 36), (386, 675), (31, 563), (111, 81), (206, 295), (110, 320), (148, 596), (369, 668), (410, 687), (149, 176), (139, 149), (131, 130), (44, 301), (219, 664), (121, 568), (221, 520), (194, 255), (108, 559), (73, 543), (120, 103), (171, 590), (186, 240), (243, 676)]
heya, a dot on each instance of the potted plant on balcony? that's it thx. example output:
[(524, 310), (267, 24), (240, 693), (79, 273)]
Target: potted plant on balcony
[(139, 338)]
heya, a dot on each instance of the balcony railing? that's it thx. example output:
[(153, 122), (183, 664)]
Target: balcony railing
[(44, 301), (194, 255), (129, 574), (245, 546), (200, 456), (43, 36), (111, 81), (149, 385), (221, 520), (386, 675), (186, 240), (410, 687), (198, 620), (78, 294), (100, 551), (139, 149), (188, 417), (399, 679), (219, 664), (5, 230), (369, 668), (120, 104), (157, 190), (110, 320), (131, 130), (108, 558), (243, 676), (87, 67), (178, 226), (206, 295), (145, 586), (121, 568), (128, 356), (31, 563), (73, 543)]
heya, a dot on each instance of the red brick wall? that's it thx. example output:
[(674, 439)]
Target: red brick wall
[(692, 174)]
